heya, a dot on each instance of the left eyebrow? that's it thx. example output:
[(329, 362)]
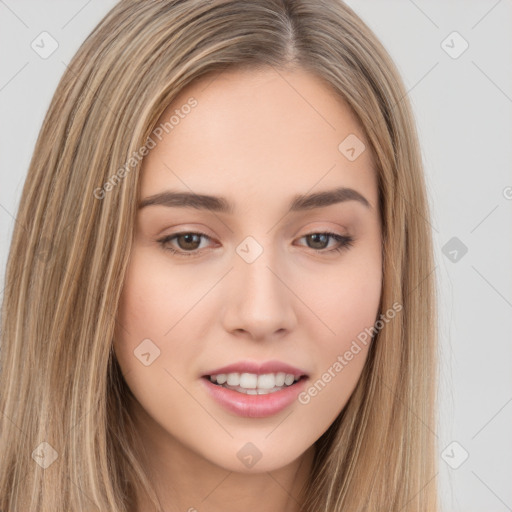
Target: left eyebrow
[(219, 204)]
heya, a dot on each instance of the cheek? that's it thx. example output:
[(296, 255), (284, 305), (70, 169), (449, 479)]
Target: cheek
[(155, 304), (349, 315), (146, 312), (347, 301), (153, 298), (144, 309)]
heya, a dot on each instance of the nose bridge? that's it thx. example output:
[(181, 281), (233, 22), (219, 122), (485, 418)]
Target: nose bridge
[(260, 302)]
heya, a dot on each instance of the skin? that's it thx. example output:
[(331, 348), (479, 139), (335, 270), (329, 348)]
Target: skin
[(258, 138)]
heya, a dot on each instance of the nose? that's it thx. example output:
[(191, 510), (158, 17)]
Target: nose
[(260, 301)]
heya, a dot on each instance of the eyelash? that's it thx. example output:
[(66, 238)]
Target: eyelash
[(345, 242)]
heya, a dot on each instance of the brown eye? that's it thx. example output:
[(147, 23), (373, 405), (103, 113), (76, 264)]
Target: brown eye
[(319, 241), (188, 243)]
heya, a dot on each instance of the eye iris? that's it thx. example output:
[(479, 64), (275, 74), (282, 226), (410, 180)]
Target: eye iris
[(188, 237), (316, 236)]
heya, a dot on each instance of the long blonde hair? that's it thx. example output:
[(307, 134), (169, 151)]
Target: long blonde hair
[(66, 440)]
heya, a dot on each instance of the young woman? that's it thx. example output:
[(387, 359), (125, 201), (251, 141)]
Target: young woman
[(219, 293)]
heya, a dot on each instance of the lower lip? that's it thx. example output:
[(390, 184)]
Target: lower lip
[(254, 406)]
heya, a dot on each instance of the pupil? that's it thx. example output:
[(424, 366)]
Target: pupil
[(316, 236), (188, 240)]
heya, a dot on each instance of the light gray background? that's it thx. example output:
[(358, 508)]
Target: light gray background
[(463, 109)]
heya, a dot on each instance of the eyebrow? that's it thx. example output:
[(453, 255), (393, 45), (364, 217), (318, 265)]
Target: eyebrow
[(218, 204)]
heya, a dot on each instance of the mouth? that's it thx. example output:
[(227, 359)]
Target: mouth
[(255, 395), (255, 384)]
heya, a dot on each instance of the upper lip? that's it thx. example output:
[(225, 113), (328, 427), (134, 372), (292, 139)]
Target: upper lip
[(258, 368)]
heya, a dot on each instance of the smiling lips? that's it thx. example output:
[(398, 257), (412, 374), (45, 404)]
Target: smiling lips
[(255, 390), (254, 384), (253, 378), (258, 368)]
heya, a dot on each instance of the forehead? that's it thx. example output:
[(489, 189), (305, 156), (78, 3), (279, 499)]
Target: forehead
[(260, 133)]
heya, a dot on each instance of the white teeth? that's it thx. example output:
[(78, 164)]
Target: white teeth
[(233, 379), (248, 381), (289, 379), (267, 381), (279, 378), (253, 383), (221, 378)]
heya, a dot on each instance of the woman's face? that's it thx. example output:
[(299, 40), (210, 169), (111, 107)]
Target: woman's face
[(250, 163)]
